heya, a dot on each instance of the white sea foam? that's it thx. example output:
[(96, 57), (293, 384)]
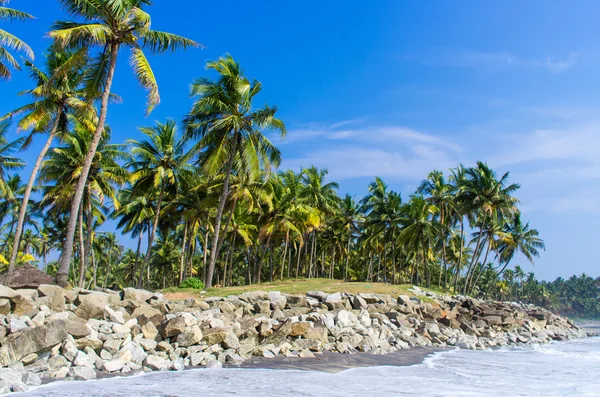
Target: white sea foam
[(555, 370)]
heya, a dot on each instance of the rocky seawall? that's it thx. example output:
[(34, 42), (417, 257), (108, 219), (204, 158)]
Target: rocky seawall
[(50, 333)]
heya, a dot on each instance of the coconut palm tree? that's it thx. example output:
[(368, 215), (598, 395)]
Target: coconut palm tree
[(440, 194), (159, 163), (57, 93), (7, 161), (518, 237), (9, 41), (111, 26), (230, 130), (62, 171)]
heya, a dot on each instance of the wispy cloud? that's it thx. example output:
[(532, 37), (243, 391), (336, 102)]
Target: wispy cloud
[(493, 61), (368, 151)]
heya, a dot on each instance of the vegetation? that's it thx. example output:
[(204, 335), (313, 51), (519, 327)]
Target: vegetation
[(209, 203)]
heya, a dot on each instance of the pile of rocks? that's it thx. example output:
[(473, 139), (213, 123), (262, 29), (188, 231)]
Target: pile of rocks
[(50, 332)]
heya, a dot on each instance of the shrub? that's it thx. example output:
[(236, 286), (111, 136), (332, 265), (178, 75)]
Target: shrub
[(192, 282)]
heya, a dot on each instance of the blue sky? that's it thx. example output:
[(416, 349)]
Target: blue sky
[(396, 89)]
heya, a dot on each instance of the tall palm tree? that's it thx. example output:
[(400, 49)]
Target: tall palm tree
[(488, 197), (110, 25), (9, 41), (230, 130), (62, 171), (7, 161), (57, 93), (159, 164), (439, 193)]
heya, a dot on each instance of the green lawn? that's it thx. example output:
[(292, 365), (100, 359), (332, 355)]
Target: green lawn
[(299, 286)]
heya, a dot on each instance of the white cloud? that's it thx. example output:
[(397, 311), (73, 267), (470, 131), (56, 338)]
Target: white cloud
[(491, 61), (388, 151)]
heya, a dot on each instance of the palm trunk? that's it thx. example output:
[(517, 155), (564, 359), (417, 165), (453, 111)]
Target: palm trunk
[(298, 251), (27, 194), (205, 253), (81, 249), (426, 267), (460, 255), (134, 268), (230, 260), (62, 277), (475, 255), (95, 267), (182, 256), (220, 208), (444, 251), (347, 256), (475, 280), (89, 229), (332, 265), (285, 249), (109, 266), (227, 223), (393, 256), (145, 265)]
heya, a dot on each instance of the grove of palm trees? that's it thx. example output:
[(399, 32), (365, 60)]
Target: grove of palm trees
[(202, 196)]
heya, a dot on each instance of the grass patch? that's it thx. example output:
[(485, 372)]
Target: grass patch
[(296, 286)]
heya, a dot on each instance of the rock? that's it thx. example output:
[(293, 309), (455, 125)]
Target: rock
[(17, 325), (149, 330), (88, 341), (19, 387), (77, 329), (30, 358), (4, 306), (31, 379), (175, 327), (300, 328), (137, 294), (358, 302), (26, 276), (6, 292), (10, 376), (156, 362), (138, 355), (82, 373), (91, 306), (33, 340), (214, 364), (82, 360), (345, 319), (493, 320), (113, 365), (317, 333), (69, 350), (23, 305), (262, 307), (194, 336), (281, 333), (114, 316), (214, 336)]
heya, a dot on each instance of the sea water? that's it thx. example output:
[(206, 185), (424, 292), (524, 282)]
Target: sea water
[(552, 370)]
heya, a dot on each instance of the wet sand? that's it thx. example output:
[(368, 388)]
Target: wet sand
[(337, 362)]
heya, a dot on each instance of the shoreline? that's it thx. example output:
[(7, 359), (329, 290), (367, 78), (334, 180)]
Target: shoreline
[(55, 334)]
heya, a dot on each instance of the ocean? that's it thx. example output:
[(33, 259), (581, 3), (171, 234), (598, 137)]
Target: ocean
[(552, 370)]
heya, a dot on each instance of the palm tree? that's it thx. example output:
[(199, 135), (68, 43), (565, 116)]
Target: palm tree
[(230, 130), (9, 41), (518, 237), (487, 197), (56, 94), (110, 25), (439, 193), (7, 161), (349, 215), (159, 163), (62, 172)]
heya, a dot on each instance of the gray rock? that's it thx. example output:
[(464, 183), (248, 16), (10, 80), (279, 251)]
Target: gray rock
[(31, 379), (82, 373), (214, 364), (33, 340), (156, 362)]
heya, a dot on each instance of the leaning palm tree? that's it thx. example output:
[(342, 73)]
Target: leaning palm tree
[(518, 237), (62, 171), (57, 93), (230, 130), (110, 25), (159, 164), (9, 41)]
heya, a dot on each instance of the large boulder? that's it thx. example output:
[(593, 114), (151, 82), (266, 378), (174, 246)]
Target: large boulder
[(33, 340), (26, 276), (91, 305), (139, 295)]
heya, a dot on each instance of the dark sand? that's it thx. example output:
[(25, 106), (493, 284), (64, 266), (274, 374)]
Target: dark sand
[(337, 362)]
